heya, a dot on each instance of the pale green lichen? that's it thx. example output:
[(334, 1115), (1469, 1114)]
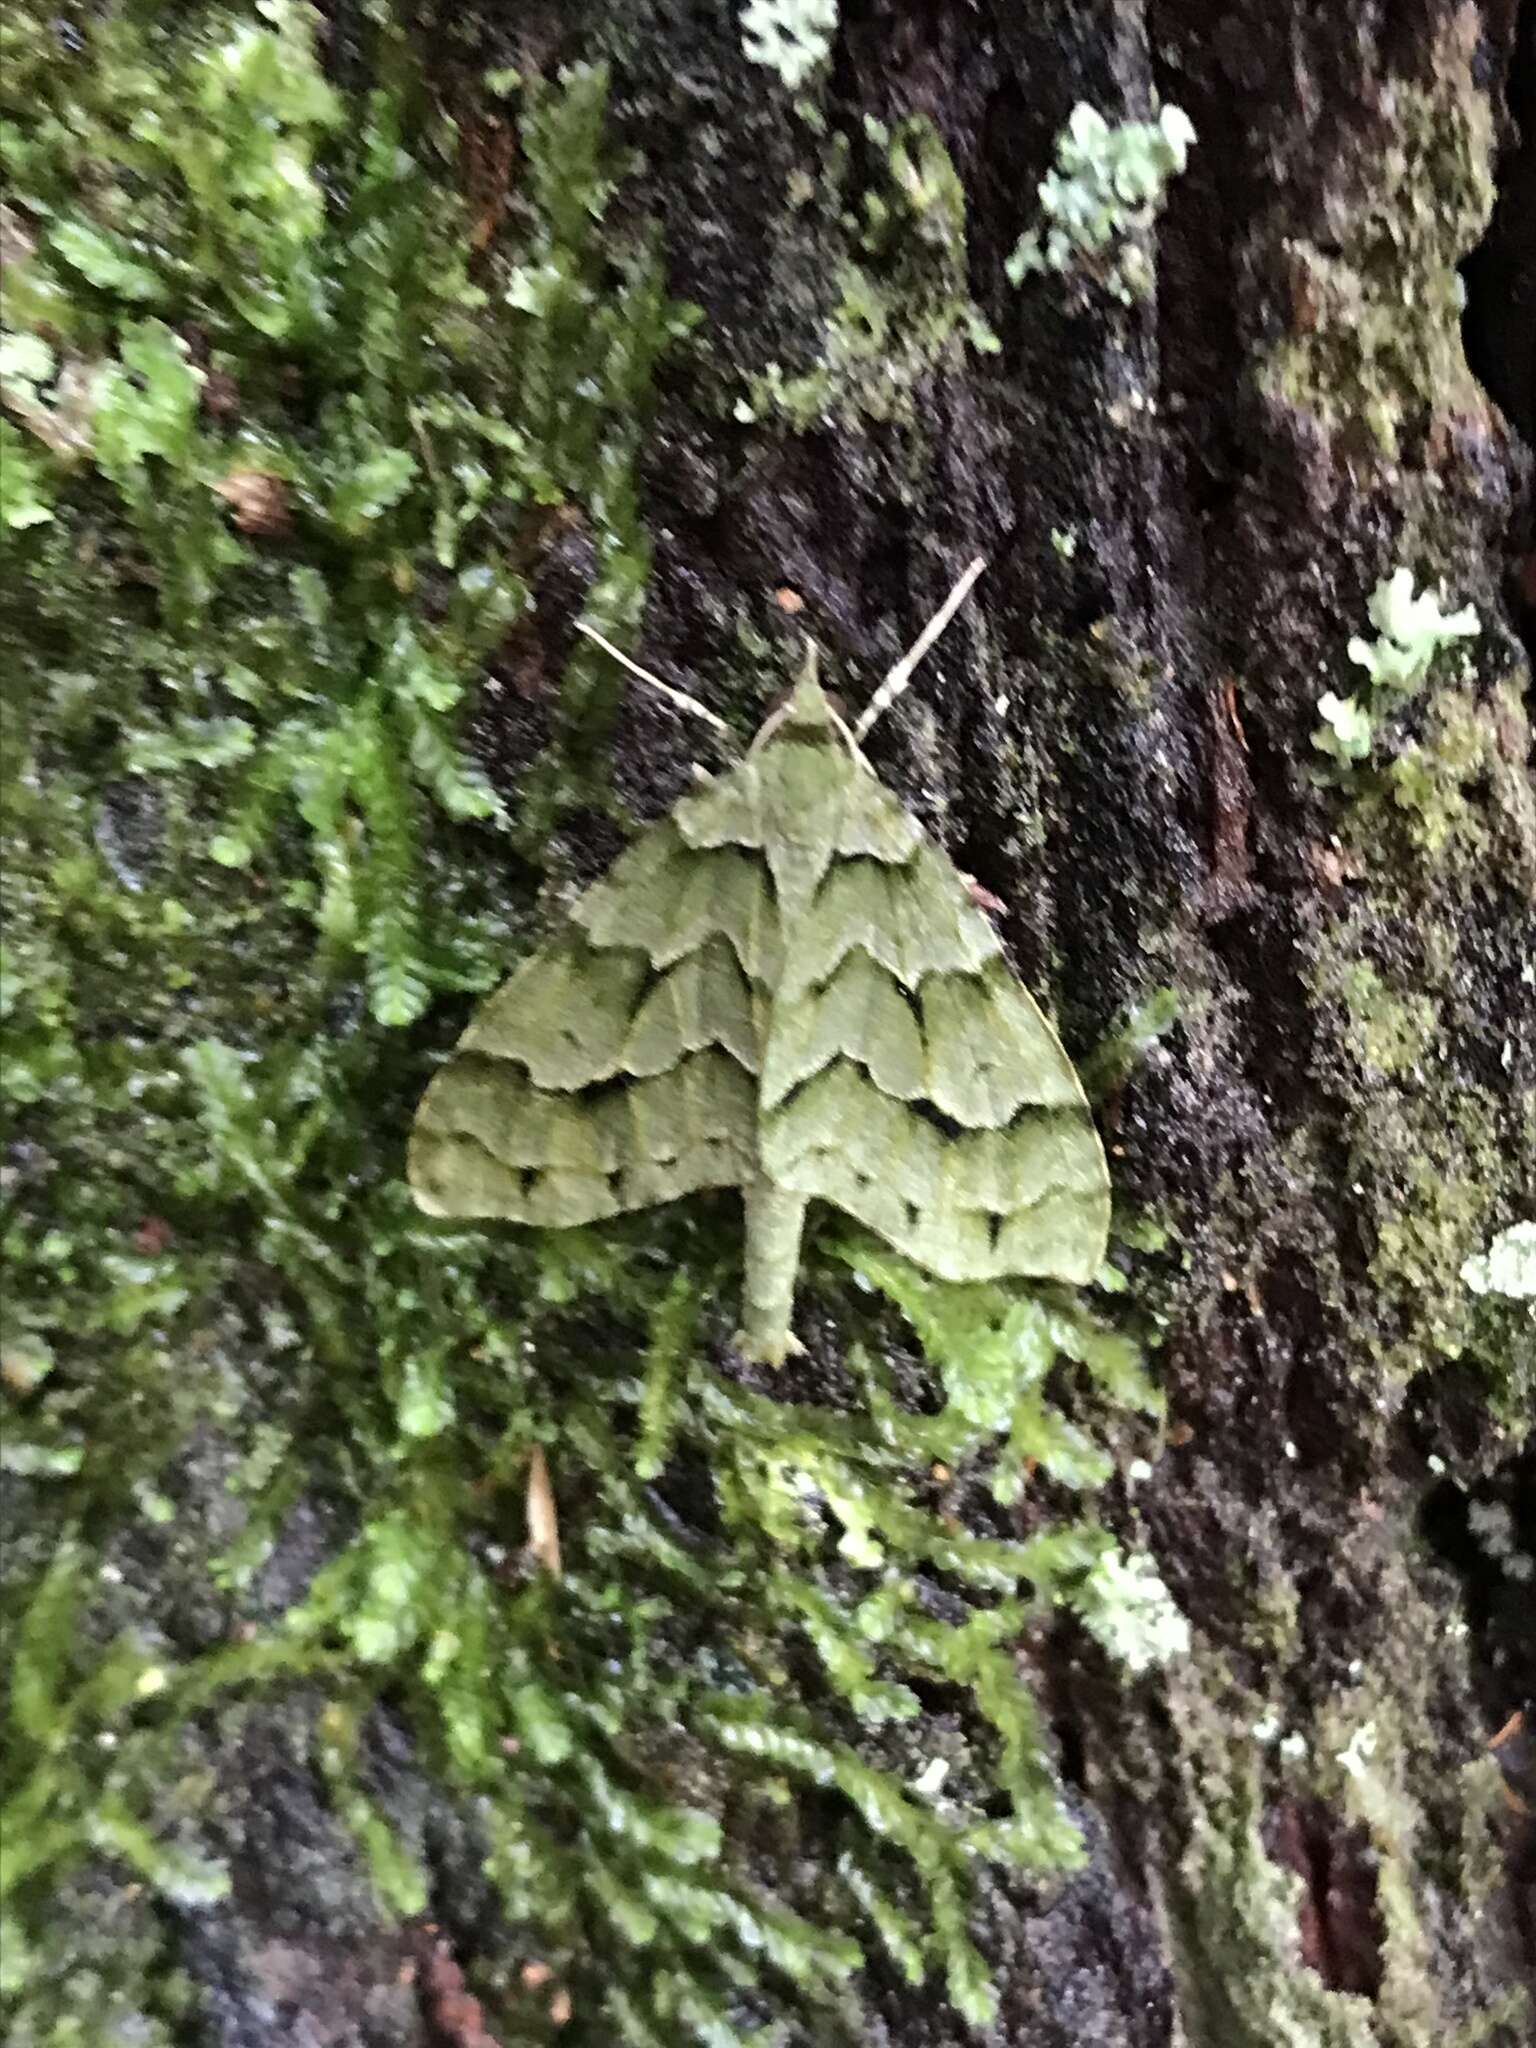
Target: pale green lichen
[(1132, 1613), (1507, 1267), (1101, 201), (1411, 631), (1347, 729), (789, 37)]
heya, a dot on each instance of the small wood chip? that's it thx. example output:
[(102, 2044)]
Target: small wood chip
[(543, 1516), (258, 500)]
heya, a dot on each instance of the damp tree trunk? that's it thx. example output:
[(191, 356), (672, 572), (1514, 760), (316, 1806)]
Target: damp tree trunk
[(1297, 1834), (1185, 505)]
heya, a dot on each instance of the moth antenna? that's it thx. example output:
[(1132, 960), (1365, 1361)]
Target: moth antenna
[(673, 696), (901, 674)]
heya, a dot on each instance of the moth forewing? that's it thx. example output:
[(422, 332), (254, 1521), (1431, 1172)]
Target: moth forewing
[(782, 987), (913, 1083)]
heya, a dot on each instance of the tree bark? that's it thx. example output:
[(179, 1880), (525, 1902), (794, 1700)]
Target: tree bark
[(1298, 1833)]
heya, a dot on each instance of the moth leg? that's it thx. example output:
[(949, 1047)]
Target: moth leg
[(774, 1221)]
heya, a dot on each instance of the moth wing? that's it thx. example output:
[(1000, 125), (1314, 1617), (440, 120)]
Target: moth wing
[(616, 1067), (1030, 1201), (978, 1159), (488, 1142)]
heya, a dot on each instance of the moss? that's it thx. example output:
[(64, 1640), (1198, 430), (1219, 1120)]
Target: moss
[(1500, 1338), (292, 433), (1237, 1914), (113, 1981), (1466, 746), (1375, 317), (1390, 1031), (1235, 1943), (904, 301), (1439, 841), (1442, 1202), (330, 475), (1427, 1152)]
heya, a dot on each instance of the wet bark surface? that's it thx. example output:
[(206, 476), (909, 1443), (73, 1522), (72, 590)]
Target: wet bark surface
[(1117, 747), (1300, 1835)]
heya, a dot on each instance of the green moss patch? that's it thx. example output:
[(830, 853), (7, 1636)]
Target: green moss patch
[(292, 449)]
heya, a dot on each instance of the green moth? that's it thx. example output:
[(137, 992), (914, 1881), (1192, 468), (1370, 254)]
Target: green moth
[(782, 987)]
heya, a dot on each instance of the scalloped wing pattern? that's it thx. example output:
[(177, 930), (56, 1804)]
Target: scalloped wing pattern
[(783, 984)]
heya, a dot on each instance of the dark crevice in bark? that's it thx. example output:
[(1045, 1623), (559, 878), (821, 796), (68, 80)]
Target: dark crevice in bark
[(1499, 323)]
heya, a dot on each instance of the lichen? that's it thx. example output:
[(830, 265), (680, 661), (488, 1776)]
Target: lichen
[(1252, 1938), (1099, 204), (904, 303), (789, 37), (1508, 1266), (1410, 632), (1375, 346)]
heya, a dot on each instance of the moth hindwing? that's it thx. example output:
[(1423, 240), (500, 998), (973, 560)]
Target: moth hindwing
[(782, 987)]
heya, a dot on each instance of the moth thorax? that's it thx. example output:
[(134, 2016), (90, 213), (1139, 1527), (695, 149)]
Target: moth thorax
[(807, 712)]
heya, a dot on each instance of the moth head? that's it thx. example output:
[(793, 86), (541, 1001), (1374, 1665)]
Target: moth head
[(808, 703), (807, 713)]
